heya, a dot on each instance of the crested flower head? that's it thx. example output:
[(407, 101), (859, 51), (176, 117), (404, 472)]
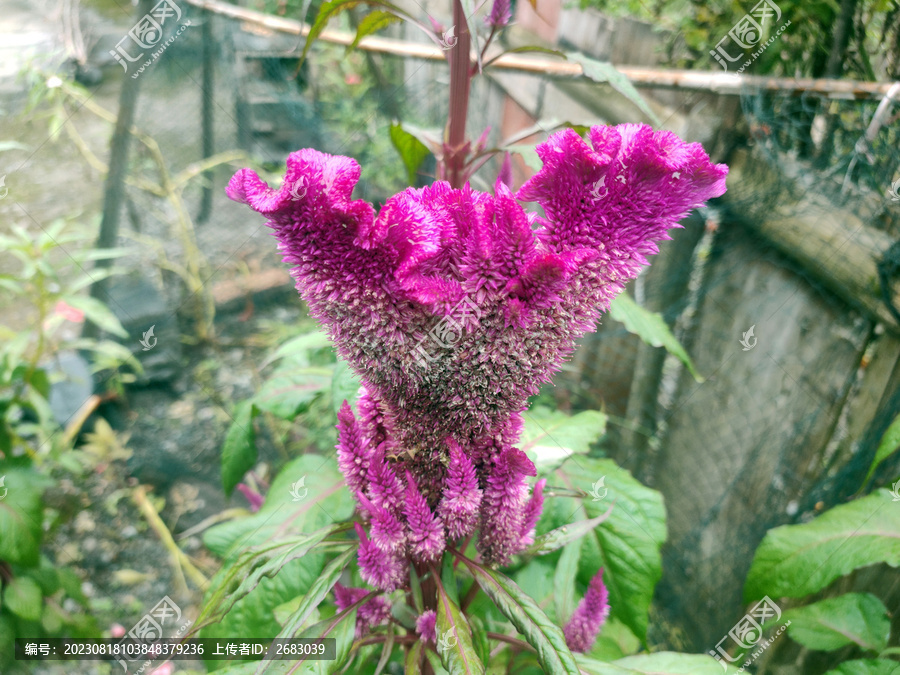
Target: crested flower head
[(583, 628), (426, 625), (375, 612), (501, 13), (453, 306)]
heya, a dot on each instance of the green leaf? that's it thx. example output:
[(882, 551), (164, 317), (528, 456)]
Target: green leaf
[(21, 513), (342, 627), (316, 594), (291, 389), (795, 560), (890, 442), (413, 656), (239, 450), (866, 667), (344, 386), (372, 23), (454, 638), (604, 71), (564, 581), (324, 501), (556, 539), (98, 313), (412, 151), (830, 624), (541, 633), (298, 348), (529, 156), (550, 437), (660, 663), (627, 544), (22, 596), (244, 594), (327, 12), (650, 327)]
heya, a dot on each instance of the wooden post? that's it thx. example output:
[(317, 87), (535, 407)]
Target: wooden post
[(114, 185), (206, 119)]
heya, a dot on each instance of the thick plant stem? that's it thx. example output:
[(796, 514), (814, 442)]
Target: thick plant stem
[(460, 78)]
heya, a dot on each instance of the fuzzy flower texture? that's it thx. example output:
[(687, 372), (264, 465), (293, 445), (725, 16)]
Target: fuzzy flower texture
[(453, 306)]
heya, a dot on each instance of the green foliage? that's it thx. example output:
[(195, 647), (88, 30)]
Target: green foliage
[(801, 50), (455, 645), (660, 663), (889, 444), (306, 387), (626, 544), (528, 618), (852, 618), (604, 71), (650, 327), (32, 589), (550, 437), (51, 279), (865, 667), (412, 151), (796, 560)]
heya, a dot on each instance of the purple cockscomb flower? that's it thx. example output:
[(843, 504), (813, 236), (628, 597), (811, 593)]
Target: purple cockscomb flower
[(462, 497), (495, 296), (385, 570), (426, 531), (501, 13), (583, 628), (426, 626), (503, 508), (375, 612)]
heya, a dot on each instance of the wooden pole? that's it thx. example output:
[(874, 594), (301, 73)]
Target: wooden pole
[(206, 115), (658, 78), (114, 185)]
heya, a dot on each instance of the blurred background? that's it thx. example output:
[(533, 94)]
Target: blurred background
[(139, 307)]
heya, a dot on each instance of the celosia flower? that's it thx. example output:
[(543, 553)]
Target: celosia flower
[(426, 626), (426, 531), (383, 569), (583, 628), (375, 612), (462, 497), (501, 13), (454, 305)]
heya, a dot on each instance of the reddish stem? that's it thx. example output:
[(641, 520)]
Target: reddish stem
[(460, 78)]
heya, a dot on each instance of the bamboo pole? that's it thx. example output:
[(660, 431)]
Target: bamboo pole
[(657, 78)]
